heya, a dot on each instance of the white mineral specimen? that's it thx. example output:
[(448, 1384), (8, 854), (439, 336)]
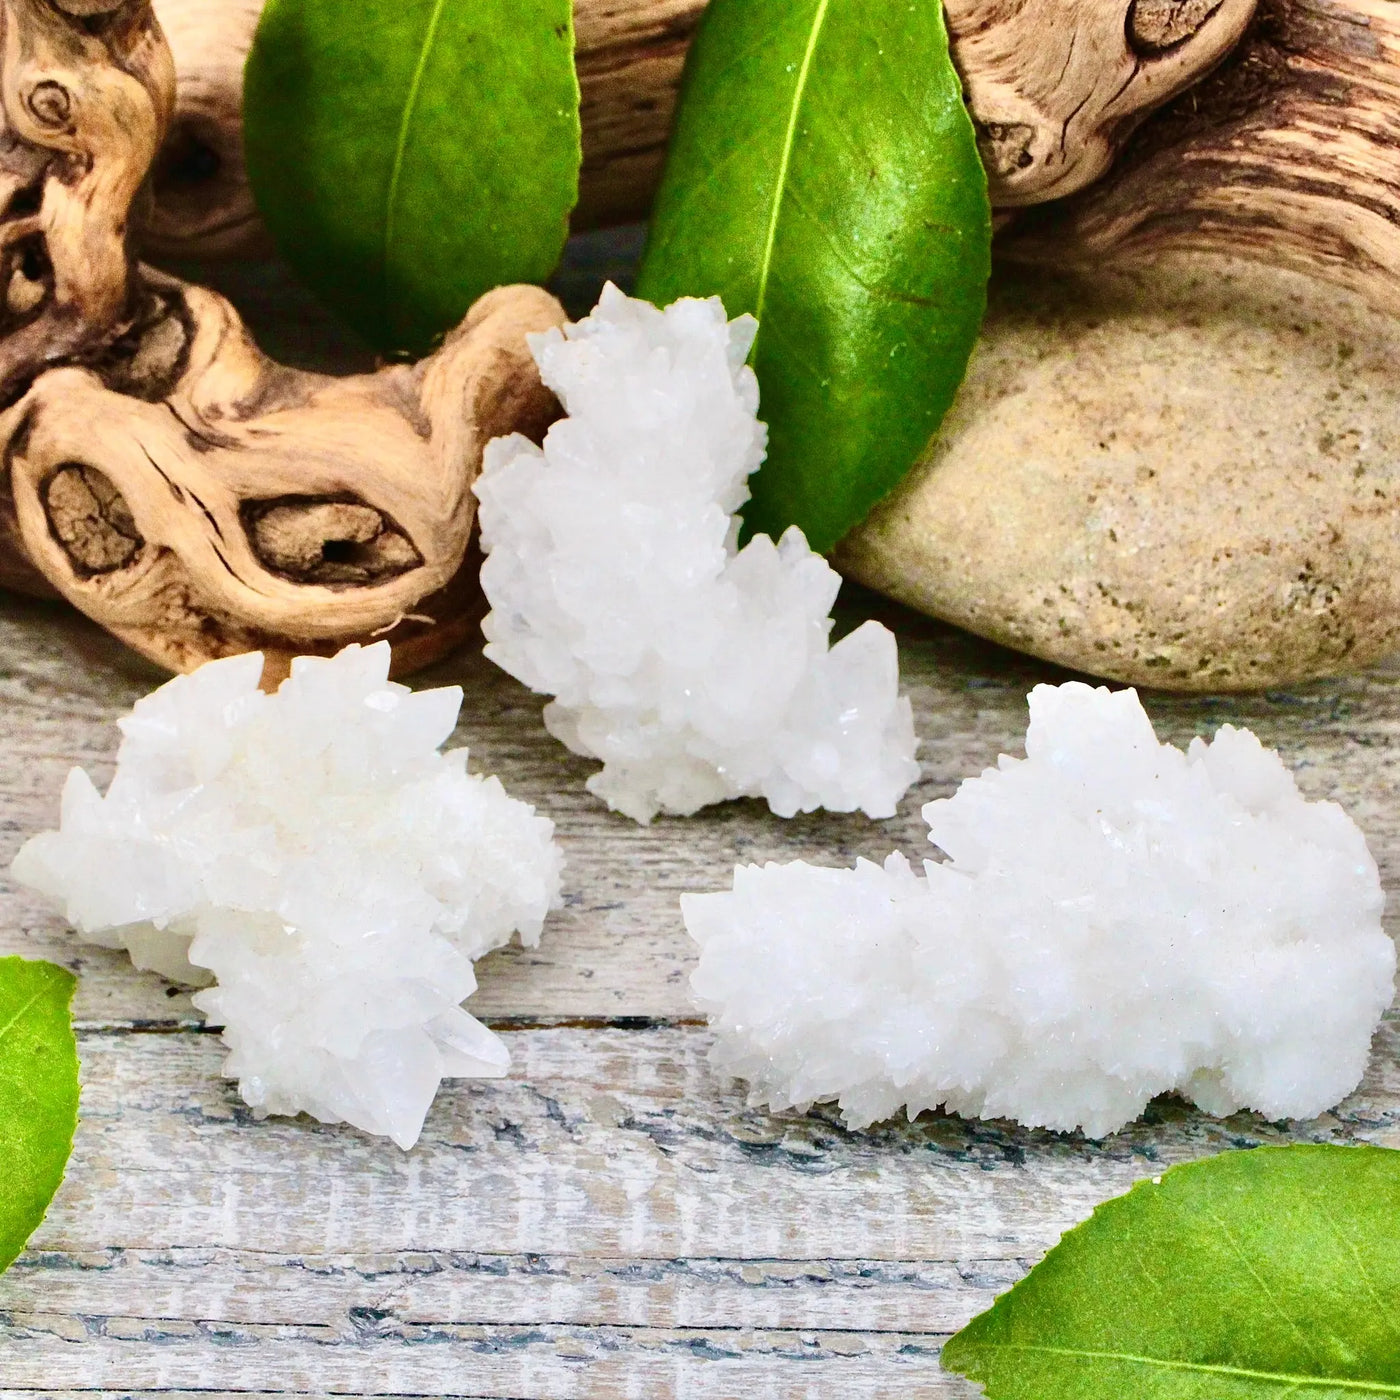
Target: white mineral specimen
[(694, 670), (1116, 919), (314, 854)]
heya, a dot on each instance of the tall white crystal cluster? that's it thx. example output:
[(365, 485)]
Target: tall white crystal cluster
[(1116, 919), (315, 856), (694, 670)]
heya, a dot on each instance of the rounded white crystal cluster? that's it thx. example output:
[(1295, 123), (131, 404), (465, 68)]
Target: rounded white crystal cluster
[(1116, 919), (694, 670), (315, 855)]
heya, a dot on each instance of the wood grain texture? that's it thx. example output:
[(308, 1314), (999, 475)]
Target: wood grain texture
[(240, 505), (159, 471), (1287, 154), (612, 1220)]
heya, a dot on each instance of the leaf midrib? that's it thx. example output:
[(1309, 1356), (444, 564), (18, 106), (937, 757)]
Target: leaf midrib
[(1202, 1368), (410, 107), (784, 162)]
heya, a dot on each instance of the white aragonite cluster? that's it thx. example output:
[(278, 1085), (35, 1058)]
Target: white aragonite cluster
[(696, 671), (315, 856), (1116, 919)]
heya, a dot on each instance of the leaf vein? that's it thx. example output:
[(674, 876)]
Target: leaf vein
[(840, 255), (1245, 1259), (1382, 1310), (18, 1016), (701, 183)]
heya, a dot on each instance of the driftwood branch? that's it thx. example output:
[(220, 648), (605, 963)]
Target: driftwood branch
[(1286, 151), (1289, 152), (161, 473), (196, 498), (1056, 87)]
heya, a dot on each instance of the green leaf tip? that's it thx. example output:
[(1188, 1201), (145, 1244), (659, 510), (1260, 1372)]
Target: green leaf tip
[(410, 155), (1247, 1276), (824, 176), (38, 1095)]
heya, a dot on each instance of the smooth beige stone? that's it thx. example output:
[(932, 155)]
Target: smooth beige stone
[(1184, 477)]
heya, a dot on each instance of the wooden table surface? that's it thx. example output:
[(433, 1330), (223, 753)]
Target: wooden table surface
[(612, 1220)]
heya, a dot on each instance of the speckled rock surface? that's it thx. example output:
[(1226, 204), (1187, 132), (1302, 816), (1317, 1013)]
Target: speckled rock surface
[(1186, 477)]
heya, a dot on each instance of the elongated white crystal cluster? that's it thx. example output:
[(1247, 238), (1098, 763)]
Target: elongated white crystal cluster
[(694, 670), (315, 856), (1116, 919)]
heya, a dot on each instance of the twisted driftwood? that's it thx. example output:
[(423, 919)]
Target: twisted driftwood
[(1289, 153), (163, 475), (196, 498), (1286, 151), (1056, 86)]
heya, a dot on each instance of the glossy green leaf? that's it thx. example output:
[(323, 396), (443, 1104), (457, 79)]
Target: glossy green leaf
[(409, 155), (38, 1095), (824, 176), (1249, 1276)]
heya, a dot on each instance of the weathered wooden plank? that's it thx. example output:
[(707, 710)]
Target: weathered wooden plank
[(612, 1220), (618, 947), (440, 1287), (603, 1143), (131, 1356), (617, 1143)]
